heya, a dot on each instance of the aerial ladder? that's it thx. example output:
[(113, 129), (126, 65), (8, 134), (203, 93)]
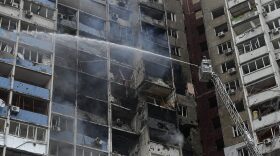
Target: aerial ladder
[(206, 73)]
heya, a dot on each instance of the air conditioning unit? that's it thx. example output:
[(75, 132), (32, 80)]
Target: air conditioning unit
[(267, 141), (221, 34), (275, 31), (228, 51), (29, 14), (231, 91), (232, 71), (16, 5), (15, 109)]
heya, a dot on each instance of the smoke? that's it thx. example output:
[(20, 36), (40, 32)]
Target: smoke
[(176, 138)]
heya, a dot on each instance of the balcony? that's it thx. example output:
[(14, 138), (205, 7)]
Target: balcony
[(272, 149), (47, 3), (267, 120), (244, 17), (256, 75), (263, 96), (8, 35), (153, 4), (237, 4), (40, 67), (148, 19), (248, 34), (31, 90), (40, 40), (65, 136), (24, 144), (31, 117), (92, 31), (10, 9), (253, 54)]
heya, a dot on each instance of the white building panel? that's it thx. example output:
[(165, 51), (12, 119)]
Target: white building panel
[(258, 74)]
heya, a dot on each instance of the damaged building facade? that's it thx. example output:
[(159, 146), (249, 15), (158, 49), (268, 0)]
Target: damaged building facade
[(243, 41), (95, 78)]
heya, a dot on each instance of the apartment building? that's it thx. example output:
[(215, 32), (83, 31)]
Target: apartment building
[(74, 80), (222, 53), (207, 108), (244, 40)]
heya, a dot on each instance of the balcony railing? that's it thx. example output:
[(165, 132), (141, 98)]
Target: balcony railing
[(31, 90)]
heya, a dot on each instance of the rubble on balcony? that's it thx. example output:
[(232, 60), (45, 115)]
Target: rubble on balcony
[(152, 16), (123, 119), (97, 138)]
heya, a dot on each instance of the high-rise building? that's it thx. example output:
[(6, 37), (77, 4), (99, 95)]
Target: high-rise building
[(95, 78), (243, 44), (207, 108)]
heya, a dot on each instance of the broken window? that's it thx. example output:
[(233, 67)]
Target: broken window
[(251, 45), (61, 123), (8, 23), (256, 64), (121, 34), (123, 119), (35, 56), (92, 110), (91, 26), (156, 16), (92, 64), (268, 133), (261, 85), (96, 138), (218, 12), (6, 47), (221, 29), (266, 108), (123, 56), (37, 10), (224, 47), (123, 143), (92, 87), (64, 89), (122, 75), (232, 85), (227, 65)]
